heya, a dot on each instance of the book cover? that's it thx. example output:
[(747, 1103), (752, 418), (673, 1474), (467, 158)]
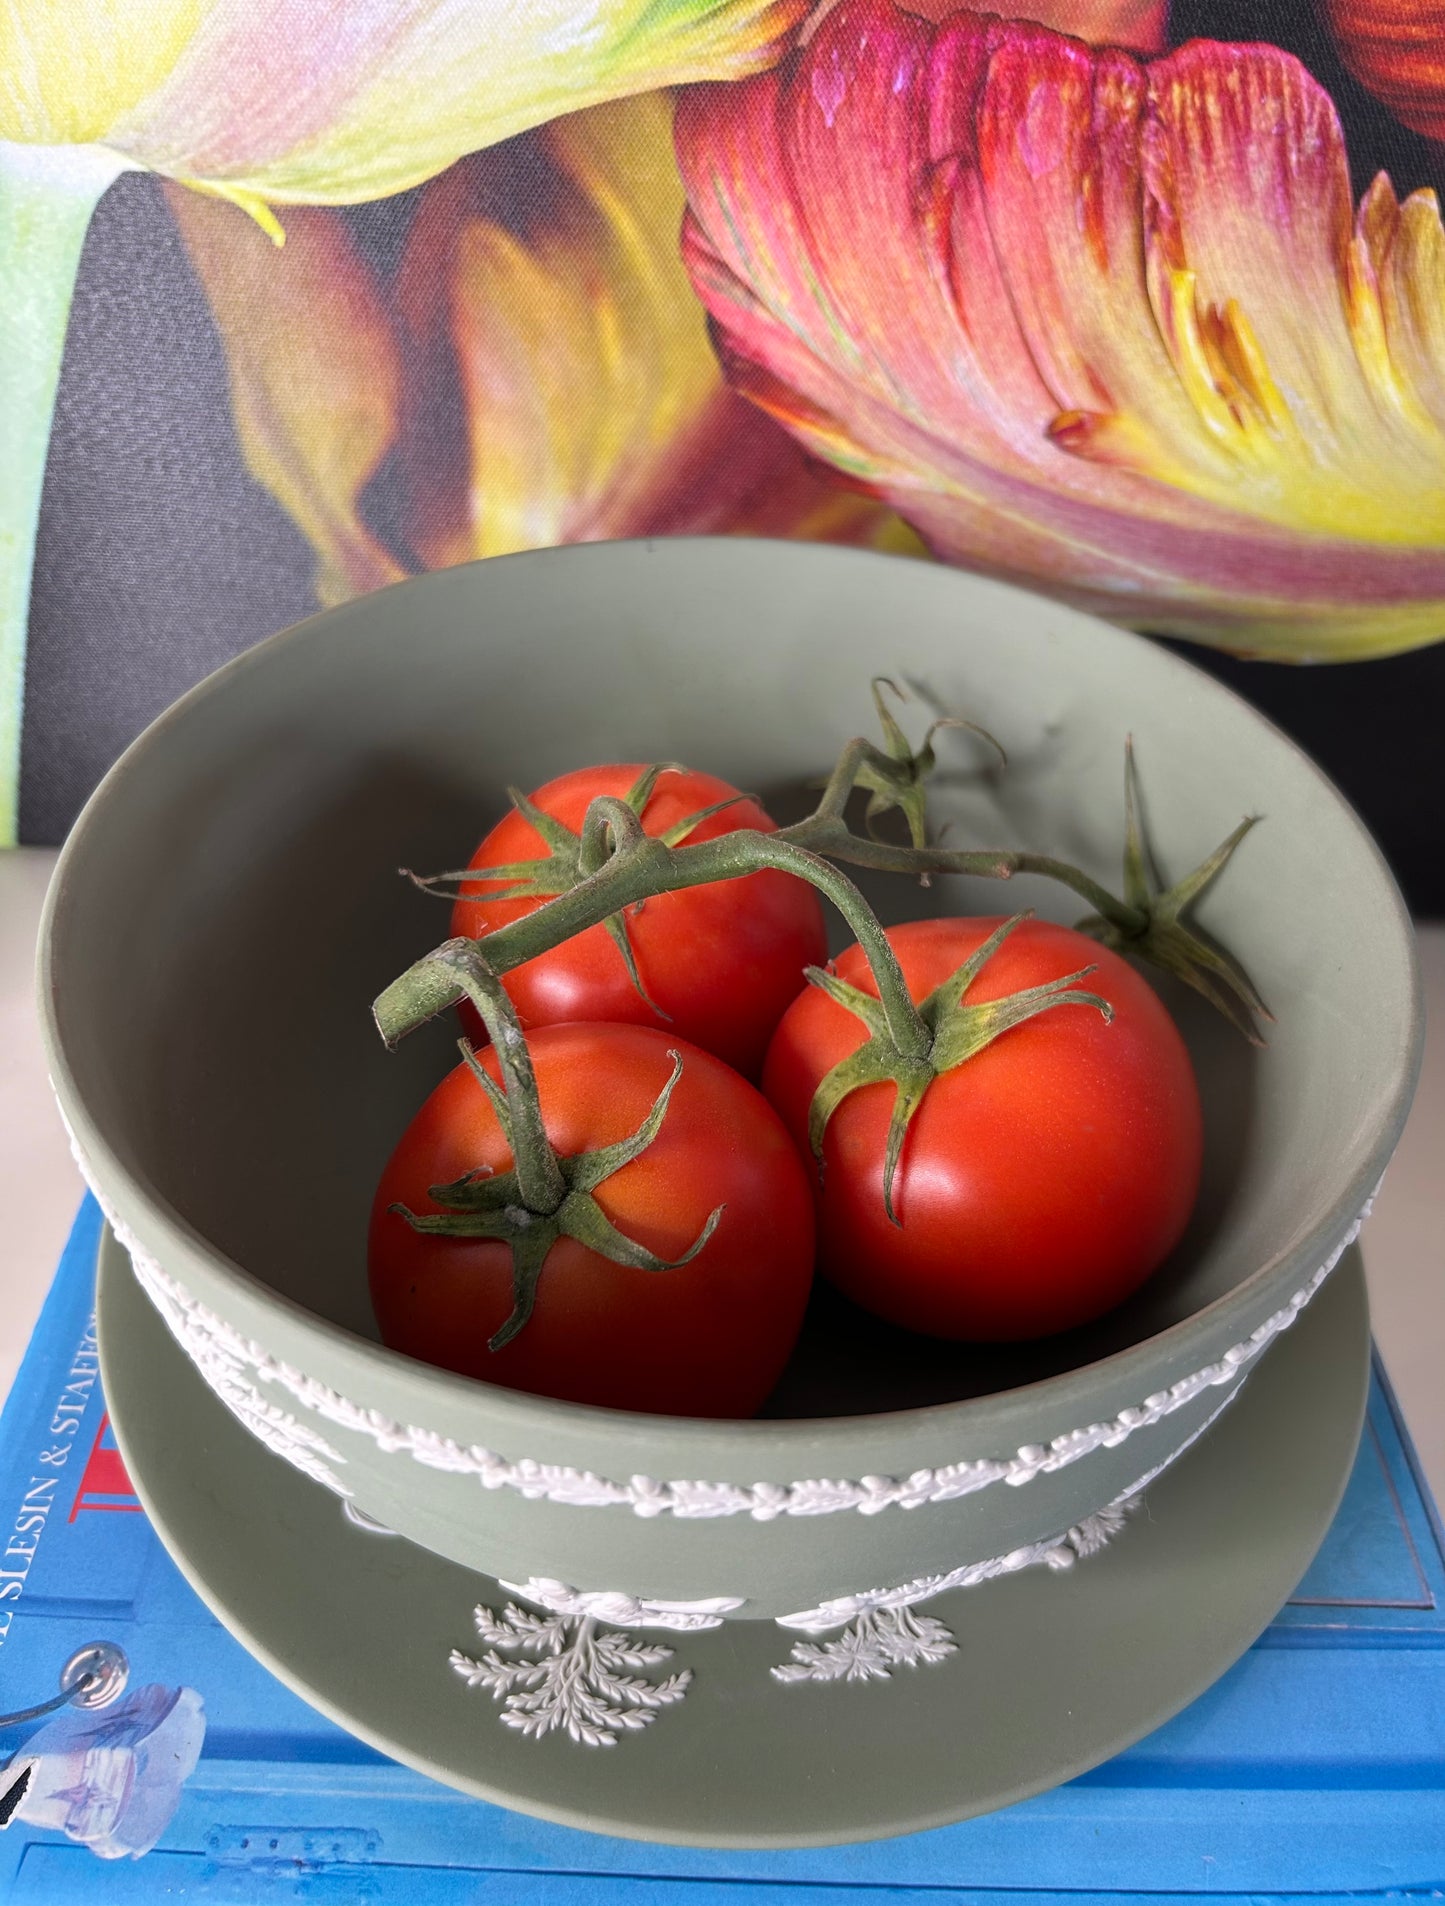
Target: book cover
[(1316, 1765)]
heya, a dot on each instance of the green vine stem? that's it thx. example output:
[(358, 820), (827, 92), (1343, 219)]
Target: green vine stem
[(47, 195), (641, 867), (830, 835), (539, 1177), (544, 1196), (614, 864)]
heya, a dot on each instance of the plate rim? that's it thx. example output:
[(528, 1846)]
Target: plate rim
[(113, 1268)]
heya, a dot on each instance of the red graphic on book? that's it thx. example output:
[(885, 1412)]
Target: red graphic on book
[(104, 1485)]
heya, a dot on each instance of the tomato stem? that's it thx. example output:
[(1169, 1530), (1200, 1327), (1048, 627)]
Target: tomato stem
[(539, 1176), (640, 867), (615, 864), (824, 833)]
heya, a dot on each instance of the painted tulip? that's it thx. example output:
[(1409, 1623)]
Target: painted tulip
[(1141, 25), (269, 102), (1397, 49), (336, 101), (542, 381), (1106, 327)]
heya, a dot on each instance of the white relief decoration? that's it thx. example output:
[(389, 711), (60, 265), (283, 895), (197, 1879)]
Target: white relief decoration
[(1055, 1552), (568, 1674), (359, 1519), (223, 1355), (623, 1611), (224, 1358), (1169, 1461), (880, 1632), (871, 1647)]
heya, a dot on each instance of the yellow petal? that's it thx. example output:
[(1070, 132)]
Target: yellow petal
[(593, 399), (341, 101), (71, 70), (314, 376), (248, 202), (583, 354)]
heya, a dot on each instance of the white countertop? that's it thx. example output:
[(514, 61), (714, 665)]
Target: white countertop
[(1404, 1243)]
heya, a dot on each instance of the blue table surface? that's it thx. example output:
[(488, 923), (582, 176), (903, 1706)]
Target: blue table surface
[(1315, 1766)]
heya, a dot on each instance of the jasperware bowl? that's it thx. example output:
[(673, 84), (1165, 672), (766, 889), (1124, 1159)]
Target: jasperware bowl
[(227, 907)]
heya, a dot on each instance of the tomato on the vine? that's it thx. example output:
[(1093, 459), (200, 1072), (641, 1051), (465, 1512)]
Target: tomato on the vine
[(1040, 1181), (708, 1337), (716, 965)]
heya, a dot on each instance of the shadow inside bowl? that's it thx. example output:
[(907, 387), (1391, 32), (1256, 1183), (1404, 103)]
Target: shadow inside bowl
[(272, 1127)]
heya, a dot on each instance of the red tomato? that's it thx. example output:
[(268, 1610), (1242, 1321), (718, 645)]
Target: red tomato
[(1041, 1181), (722, 961), (709, 1338)]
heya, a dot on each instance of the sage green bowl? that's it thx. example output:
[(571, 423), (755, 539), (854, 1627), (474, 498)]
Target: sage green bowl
[(228, 905)]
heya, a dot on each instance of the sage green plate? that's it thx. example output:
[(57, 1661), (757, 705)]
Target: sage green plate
[(1052, 1672)]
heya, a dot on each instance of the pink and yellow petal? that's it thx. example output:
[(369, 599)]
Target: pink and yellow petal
[(314, 374), (1142, 25), (1249, 169), (1399, 253), (1088, 322), (1053, 203)]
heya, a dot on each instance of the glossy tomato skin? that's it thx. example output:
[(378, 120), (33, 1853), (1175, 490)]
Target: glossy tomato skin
[(707, 1339), (1041, 1181), (722, 961)]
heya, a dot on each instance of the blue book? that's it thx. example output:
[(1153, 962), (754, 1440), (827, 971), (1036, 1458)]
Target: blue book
[(1316, 1766)]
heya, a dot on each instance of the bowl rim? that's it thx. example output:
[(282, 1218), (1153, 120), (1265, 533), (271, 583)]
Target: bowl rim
[(523, 1411)]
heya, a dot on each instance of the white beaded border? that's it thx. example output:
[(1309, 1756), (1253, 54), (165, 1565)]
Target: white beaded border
[(221, 1353), (1056, 1552)]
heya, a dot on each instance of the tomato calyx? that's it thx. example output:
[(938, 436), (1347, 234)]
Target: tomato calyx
[(957, 1030), (545, 1196), (895, 776), (571, 858), (1160, 935), (481, 1204)]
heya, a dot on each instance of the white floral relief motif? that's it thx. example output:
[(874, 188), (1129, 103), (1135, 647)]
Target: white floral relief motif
[(569, 1675), (1055, 1552), (879, 1630), (871, 1647), (226, 1358)]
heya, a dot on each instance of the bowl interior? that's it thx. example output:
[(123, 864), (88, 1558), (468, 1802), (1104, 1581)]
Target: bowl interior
[(228, 906)]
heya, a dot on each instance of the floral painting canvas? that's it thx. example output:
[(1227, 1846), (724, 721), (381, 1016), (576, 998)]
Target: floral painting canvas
[(1136, 304)]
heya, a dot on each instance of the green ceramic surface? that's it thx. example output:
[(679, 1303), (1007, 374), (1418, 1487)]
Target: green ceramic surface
[(1052, 1674), (228, 906)]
